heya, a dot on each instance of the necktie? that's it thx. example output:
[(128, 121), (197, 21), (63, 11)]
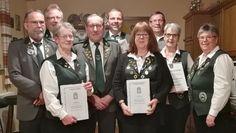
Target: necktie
[(115, 37), (39, 53), (99, 84)]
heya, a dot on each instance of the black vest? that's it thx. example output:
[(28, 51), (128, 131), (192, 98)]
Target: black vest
[(66, 74), (180, 100), (201, 81)]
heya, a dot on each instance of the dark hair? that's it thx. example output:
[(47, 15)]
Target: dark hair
[(152, 42), (159, 12)]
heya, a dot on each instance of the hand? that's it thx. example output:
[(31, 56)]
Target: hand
[(152, 106), (39, 100), (106, 100), (97, 102), (210, 121), (125, 109), (68, 120), (89, 87)]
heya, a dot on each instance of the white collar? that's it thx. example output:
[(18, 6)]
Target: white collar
[(211, 53), (58, 54), (132, 55)]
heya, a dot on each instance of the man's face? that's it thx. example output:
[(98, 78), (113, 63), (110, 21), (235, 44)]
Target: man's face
[(115, 21), (95, 29), (157, 23), (53, 18), (35, 25)]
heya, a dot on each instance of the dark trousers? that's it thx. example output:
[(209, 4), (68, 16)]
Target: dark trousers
[(56, 126), (138, 123), (35, 125), (176, 119), (106, 121), (221, 124)]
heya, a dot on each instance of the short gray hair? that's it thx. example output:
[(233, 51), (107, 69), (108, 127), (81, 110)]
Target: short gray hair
[(65, 25), (96, 16), (208, 27), (173, 26)]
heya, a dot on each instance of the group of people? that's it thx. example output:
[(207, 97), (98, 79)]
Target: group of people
[(47, 58)]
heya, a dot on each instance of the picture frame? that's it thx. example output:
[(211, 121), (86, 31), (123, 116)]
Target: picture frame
[(129, 22), (17, 22)]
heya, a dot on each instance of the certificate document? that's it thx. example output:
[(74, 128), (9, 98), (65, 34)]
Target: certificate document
[(177, 74), (138, 95), (74, 100)]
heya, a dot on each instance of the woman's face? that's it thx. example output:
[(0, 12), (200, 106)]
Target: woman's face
[(207, 41), (65, 39), (141, 40), (171, 38)]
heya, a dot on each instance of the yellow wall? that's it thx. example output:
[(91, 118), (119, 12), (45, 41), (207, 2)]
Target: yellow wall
[(174, 11), (131, 8)]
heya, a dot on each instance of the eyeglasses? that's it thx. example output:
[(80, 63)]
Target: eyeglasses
[(168, 35), (141, 35), (54, 18), (206, 37), (67, 36), (99, 26), (156, 20)]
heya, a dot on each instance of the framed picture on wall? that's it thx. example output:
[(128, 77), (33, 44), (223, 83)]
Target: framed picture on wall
[(129, 23), (12, 22), (17, 23)]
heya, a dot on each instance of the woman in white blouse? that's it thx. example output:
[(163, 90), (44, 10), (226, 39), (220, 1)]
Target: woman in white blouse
[(63, 68), (180, 63)]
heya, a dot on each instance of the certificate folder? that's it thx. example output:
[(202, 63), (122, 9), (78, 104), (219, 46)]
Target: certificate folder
[(74, 100), (138, 95)]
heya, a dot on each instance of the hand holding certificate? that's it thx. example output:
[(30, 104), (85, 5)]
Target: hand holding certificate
[(74, 100), (138, 95)]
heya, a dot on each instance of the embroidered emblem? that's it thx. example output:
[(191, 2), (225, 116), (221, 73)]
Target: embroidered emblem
[(171, 65), (150, 68), (30, 49), (106, 50), (205, 64), (66, 65), (177, 58), (47, 50), (180, 95), (146, 72), (131, 72), (88, 53), (202, 97), (142, 76)]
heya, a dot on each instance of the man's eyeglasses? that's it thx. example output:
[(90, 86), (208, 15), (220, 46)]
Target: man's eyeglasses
[(99, 26), (54, 18)]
